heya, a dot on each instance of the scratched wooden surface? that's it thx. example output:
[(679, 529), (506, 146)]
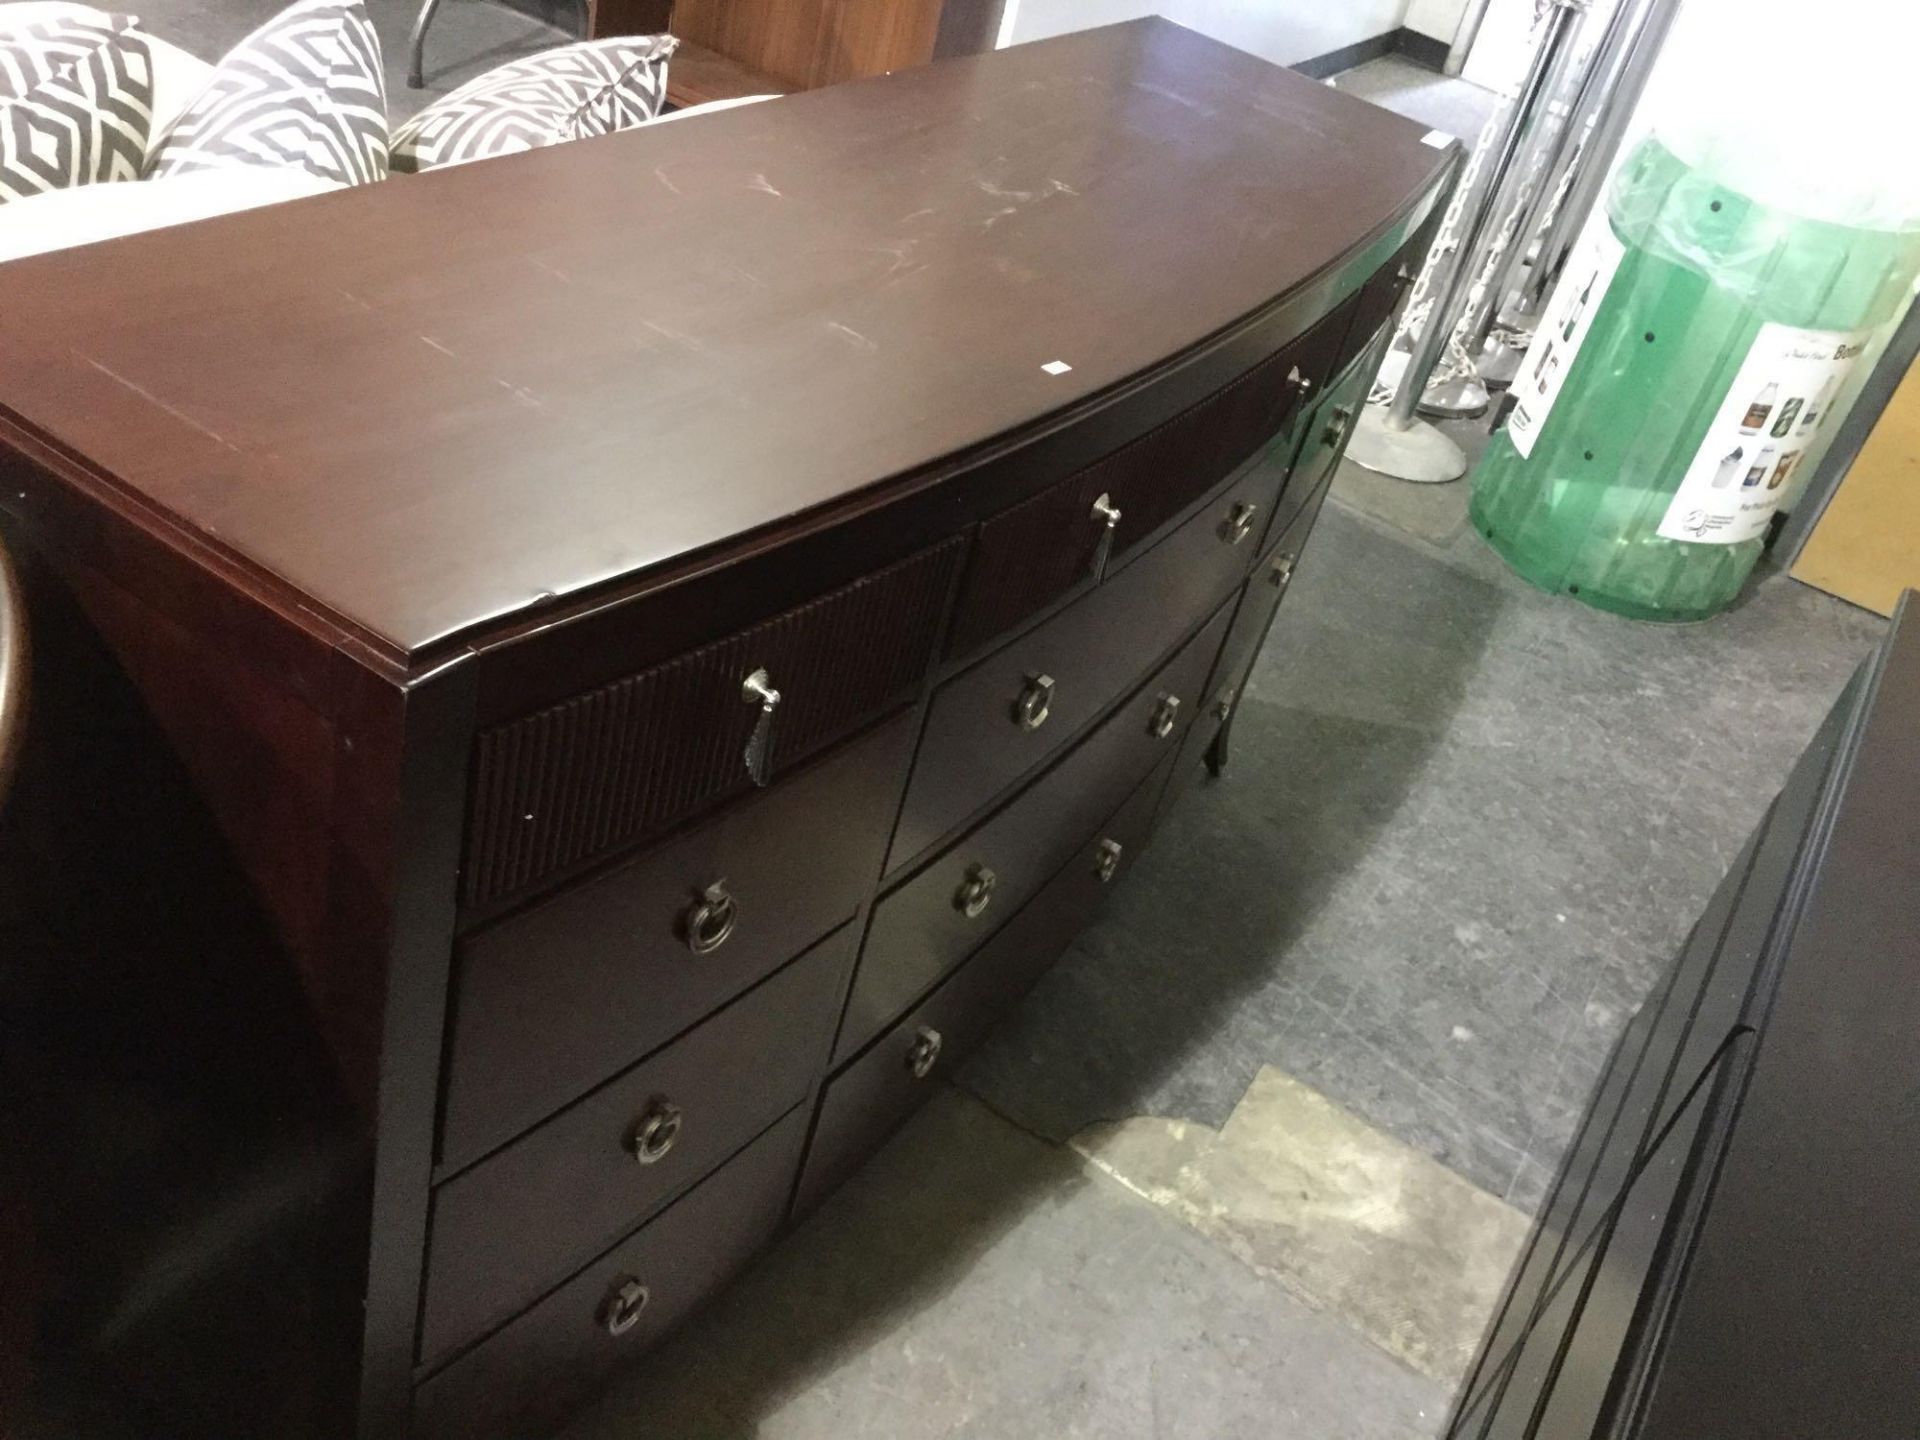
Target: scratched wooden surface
[(447, 398)]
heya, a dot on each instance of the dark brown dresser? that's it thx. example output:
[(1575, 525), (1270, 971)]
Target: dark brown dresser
[(679, 630)]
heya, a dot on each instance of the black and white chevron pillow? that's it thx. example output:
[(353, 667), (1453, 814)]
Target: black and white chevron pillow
[(593, 88), (304, 90), (76, 105)]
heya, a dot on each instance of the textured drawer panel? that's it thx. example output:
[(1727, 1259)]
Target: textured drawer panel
[(885, 1085), (549, 1003), (1043, 547), (507, 1229), (920, 930), (629, 759), (1092, 652), (560, 1352)]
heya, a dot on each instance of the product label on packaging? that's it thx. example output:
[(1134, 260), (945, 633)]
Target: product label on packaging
[(1778, 403), (1591, 266)]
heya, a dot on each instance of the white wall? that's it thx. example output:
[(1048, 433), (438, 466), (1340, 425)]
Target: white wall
[(1436, 19), (1283, 31)]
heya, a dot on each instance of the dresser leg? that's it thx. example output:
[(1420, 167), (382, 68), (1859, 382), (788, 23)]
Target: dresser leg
[(1216, 756)]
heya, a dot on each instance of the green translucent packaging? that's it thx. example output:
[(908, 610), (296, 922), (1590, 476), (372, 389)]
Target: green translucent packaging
[(1697, 342)]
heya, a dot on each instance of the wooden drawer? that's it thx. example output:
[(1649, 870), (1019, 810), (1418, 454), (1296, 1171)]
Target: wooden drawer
[(510, 1227), (1253, 618), (979, 739), (1043, 547), (522, 1381), (1323, 440), (549, 1003), (1265, 590), (921, 930), (554, 790), (889, 1080)]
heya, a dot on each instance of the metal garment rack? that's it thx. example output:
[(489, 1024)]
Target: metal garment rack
[(1531, 161)]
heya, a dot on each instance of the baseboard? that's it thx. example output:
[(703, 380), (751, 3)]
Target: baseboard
[(1346, 57), (1422, 50)]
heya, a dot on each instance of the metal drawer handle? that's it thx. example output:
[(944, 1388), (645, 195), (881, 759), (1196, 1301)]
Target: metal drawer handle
[(1164, 714), (622, 1309), (655, 1131), (976, 891), (1240, 521), (1106, 861), (923, 1052), (757, 689), (1030, 711), (710, 919), (1105, 511), (1282, 573), (1336, 430)]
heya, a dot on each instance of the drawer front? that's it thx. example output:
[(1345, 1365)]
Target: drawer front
[(1265, 590), (923, 929), (554, 1357), (551, 1002), (1257, 608), (558, 788), (1043, 547), (1323, 439), (1007, 714), (1377, 301), (507, 1229), (873, 1094)]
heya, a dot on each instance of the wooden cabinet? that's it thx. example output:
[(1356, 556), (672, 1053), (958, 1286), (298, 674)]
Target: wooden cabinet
[(678, 652)]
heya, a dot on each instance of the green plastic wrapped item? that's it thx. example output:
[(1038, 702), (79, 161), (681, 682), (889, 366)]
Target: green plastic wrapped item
[(1692, 352)]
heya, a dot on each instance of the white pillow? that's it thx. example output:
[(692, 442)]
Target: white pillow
[(87, 213), (178, 79), (306, 89), (687, 112), (572, 92)]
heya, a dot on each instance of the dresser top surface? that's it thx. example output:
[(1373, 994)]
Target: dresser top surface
[(422, 406)]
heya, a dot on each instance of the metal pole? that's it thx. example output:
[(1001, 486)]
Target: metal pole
[(1510, 203), (1595, 82), (1469, 257), (1641, 49)]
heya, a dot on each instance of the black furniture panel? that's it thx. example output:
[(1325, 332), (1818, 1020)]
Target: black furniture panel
[(1731, 1247)]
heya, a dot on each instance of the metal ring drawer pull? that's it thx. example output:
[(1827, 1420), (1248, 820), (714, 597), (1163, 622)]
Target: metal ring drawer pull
[(1165, 712), (923, 1052), (624, 1306), (1336, 430), (1106, 862), (1240, 521), (757, 689), (1282, 573), (655, 1131), (975, 891), (710, 919), (1030, 711)]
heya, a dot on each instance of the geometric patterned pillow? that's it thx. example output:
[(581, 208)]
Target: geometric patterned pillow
[(305, 89), (592, 88), (76, 105)]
